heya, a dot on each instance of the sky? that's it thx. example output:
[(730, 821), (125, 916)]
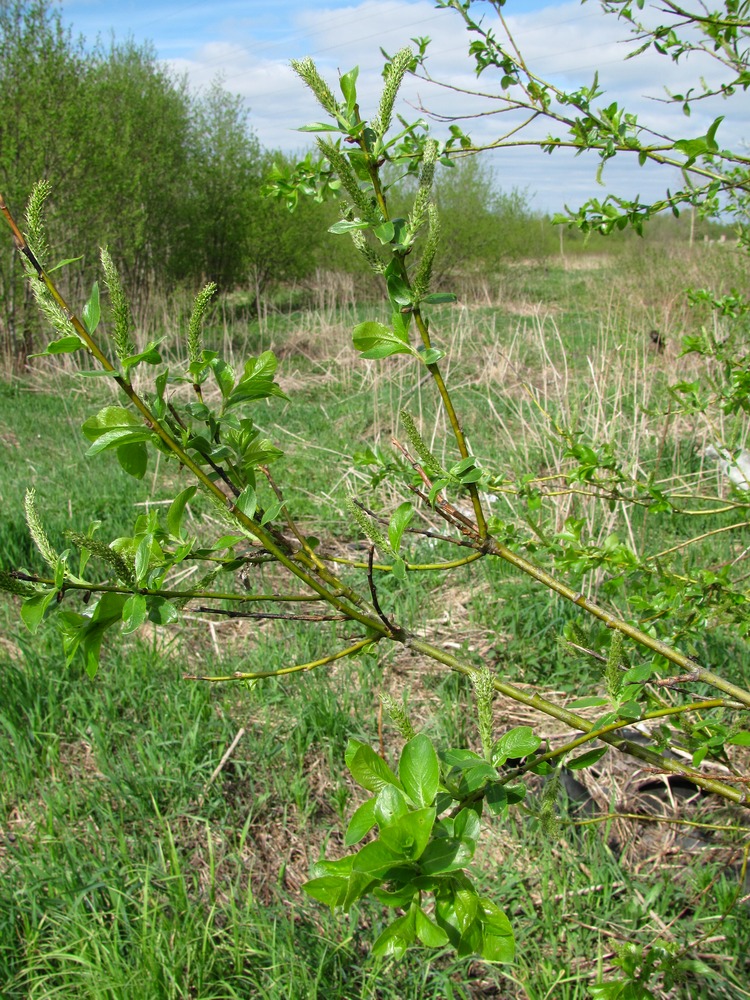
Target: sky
[(249, 43)]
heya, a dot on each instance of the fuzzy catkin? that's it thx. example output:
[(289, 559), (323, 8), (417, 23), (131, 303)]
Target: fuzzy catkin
[(394, 76), (484, 691), (103, 551), (369, 528), (398, 716), (200, 305), (122, 320), (307, 71), (429, 461), (36, 530)]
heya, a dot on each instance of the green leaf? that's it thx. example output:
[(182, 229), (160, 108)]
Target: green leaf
[(117, 437), (389, 806), (586, 759), (400, 520), (161, 611), (385, 232), (272, 511), (361, 823), (133, 457), (346, 227), (177, 510), (428, 932), (375, 859), (445, 854), (437, 298), (149, 356), (396, 938), (64, 263), (419, 770), (498, 944), (33, 608), (247, 501), (376, 341), (256, 381), (741, 739), (517, 742), (224, 375), (409, 835), (92, 312), (399, 570), (110, 418), (431, 355), (328, 889), (65, 345), (367, 769), (134, 613), (399, 291), (348, 84), (593, 701)]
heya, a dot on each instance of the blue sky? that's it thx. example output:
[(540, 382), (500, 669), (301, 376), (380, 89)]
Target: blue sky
[(250, 42)]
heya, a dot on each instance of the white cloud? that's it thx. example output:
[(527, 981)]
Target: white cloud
[(565, 43)]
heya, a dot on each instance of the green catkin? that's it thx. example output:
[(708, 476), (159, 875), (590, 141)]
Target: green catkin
[(36, 530), (341, 166), (200, 305), (369, 528), (419, 212), (394, 76), (548, 818), (429, 461), (108, 556), (36, 233), (370, 255), (11, 585), (307, 71), (423, 274), (398, 717), (612, 670), (122, 320), (484, 691)]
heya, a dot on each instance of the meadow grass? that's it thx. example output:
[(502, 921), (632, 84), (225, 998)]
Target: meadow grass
[(130, 868)]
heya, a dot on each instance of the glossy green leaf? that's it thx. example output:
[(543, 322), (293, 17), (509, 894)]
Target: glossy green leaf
[(161, 611), (177, 510), (134, 613), (33, 608), (399, 521), (328, 889), (585, 759), (92, 312), (348, 84), (741, 739), (247, 502), (375, 859), (389, 805), (133, 457), (361, 823), (65, 345), (498, 943), (419, 770), (517, 742), (396, 938), (428, 932), (367, 768), (409, 835)]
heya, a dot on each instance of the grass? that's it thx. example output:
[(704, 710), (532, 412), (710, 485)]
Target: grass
[(131, 868)]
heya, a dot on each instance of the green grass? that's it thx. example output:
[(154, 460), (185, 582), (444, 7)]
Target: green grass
[(128, 872)]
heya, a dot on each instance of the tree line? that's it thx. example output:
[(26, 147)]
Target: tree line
[(170, 180)]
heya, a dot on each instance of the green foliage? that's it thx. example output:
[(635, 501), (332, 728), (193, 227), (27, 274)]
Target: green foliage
[(427, 811), (418, 852)]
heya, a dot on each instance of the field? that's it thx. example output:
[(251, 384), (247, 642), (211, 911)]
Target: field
[(155, 831)]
